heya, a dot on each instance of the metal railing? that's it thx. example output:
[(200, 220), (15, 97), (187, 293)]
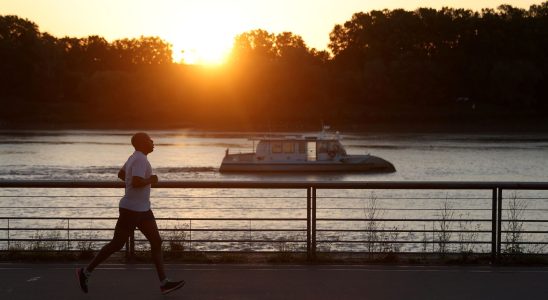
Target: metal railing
[(371, 232)]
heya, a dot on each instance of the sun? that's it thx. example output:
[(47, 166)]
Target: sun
[(204, 46), (205, 53)]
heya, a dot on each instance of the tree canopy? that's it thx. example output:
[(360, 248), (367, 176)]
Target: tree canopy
[(440, 67)]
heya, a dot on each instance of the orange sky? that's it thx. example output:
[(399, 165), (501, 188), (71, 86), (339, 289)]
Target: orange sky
[(204, 29)]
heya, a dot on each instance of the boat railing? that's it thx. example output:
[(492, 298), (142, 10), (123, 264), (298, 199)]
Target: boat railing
[(493, 219)]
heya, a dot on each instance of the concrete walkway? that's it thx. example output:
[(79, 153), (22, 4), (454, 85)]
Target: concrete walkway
[(136, 281)]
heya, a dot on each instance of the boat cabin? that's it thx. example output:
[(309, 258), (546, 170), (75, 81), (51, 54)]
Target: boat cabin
[(309, 149)]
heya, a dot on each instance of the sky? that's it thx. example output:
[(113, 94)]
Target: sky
[(205, 29)]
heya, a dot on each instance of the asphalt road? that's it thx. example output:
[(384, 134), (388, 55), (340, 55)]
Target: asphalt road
[(138, 281)]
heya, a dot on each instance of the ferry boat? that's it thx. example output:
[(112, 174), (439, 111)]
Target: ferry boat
[(323, 152)]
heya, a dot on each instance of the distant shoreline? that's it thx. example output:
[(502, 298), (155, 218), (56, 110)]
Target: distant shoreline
[(477, 126)]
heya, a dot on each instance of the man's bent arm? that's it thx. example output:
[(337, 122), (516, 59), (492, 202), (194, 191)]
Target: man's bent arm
[(137, 181)]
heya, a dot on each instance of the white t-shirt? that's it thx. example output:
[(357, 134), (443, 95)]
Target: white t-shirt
[(137, 199)]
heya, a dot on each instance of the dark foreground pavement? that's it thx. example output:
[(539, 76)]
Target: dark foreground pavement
[(136, 281)]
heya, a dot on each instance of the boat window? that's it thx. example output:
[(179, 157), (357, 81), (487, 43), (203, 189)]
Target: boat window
[(302, 147), (333, 147), (289, 147), (322, 147), (277, 147)]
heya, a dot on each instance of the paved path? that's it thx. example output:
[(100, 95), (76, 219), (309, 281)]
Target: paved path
[(136, 281)]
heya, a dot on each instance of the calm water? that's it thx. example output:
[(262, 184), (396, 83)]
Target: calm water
[(182, 155), (191, 155)]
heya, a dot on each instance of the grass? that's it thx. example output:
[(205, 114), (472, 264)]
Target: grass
[(443, 235)]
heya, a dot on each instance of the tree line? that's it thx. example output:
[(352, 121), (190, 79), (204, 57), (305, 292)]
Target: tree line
[(447, 67)]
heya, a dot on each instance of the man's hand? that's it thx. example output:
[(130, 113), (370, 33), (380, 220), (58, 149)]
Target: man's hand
[(153, 179), (122, 174)]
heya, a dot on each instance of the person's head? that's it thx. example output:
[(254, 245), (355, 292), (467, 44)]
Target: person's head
[(142, 142)]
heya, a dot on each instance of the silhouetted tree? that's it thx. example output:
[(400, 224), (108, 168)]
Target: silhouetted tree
[(439, 66)]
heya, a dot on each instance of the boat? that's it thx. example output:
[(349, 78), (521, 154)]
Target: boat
[(322, 152)]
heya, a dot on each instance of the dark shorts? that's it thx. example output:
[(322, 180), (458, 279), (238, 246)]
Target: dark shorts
[(129, 220)]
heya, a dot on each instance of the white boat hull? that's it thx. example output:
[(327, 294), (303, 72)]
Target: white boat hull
[(350, 163)]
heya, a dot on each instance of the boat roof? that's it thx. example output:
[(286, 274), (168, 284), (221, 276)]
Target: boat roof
[(297, 138)]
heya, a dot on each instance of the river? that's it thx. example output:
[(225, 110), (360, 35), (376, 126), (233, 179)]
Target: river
[(185, 155), (196, 155)]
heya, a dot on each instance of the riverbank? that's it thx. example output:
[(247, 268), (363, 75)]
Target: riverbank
[(502, 125)]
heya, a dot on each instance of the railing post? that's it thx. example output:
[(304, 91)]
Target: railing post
[(313, 250), (130, 246), (190, 235), (8, 234), (499, 220), (68, 234), (308, 223), (494, 223)]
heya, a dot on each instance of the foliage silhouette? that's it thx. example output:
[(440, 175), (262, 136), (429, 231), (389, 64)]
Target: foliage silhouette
[(447, 68)]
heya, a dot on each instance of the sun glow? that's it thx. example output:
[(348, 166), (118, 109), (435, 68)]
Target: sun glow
[(210, 40), (208, 49)]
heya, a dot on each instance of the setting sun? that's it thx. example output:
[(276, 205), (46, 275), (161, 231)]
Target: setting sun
[(210, 39), (208, 47)]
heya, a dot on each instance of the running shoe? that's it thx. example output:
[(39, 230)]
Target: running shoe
[(82, 279), (171, 286)]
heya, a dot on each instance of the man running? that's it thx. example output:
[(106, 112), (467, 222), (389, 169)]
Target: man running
[(135, 212)]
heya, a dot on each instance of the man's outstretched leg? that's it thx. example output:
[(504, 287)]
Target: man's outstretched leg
[(149, 228), (121, 234)]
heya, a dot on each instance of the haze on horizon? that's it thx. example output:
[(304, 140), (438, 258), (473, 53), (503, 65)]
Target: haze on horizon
[(205, 29)]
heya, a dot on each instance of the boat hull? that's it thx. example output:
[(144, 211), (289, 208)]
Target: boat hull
[(371, 164)]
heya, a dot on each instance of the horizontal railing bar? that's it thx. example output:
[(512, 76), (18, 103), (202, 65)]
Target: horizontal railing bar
[(402, 220), (232, 241), (403, 230), (401, 242), (157, 219), (155, 208), (265, 197), (406, 209), (362, 253), (524, 221), (158, 197), (268, 208), (524, 231), (235, 230), (144, 240), (268, 197), (428, 220), (179, 251), (276, 241), (160, 229), (255, 197), (274, 219), (257, 208), (269, 230), (524, 243), (457, 185), (54, 240), (59, 218)]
